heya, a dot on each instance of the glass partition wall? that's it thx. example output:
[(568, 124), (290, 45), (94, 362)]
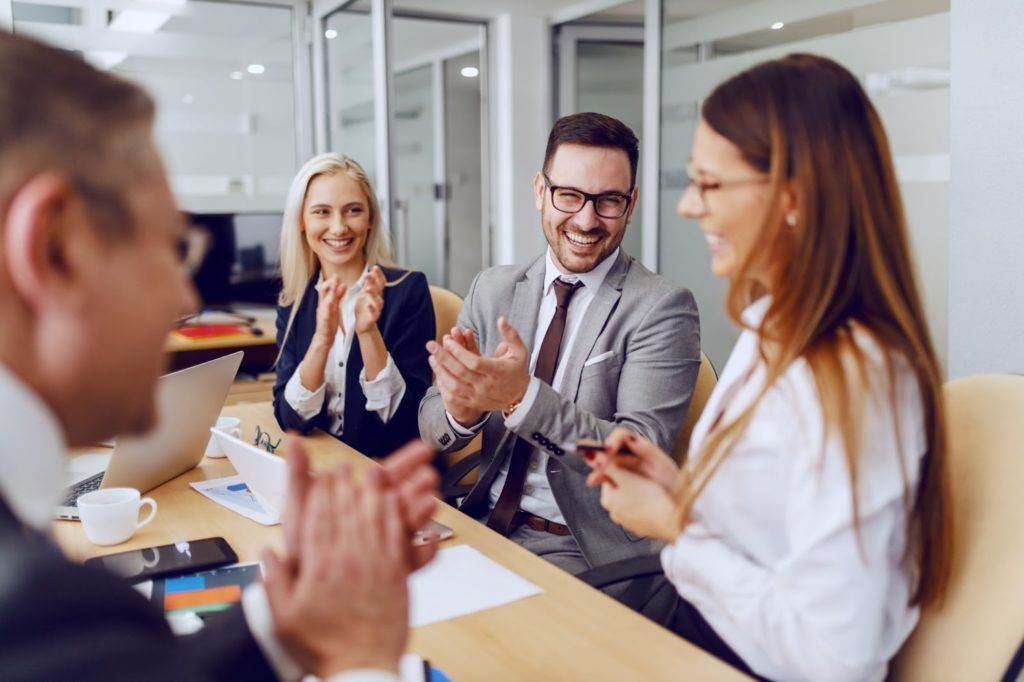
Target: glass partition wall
[(405, 96), (600, 68), (223, 75), (899, 49)]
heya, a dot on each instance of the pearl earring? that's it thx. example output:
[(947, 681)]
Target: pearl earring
[(791, 220)]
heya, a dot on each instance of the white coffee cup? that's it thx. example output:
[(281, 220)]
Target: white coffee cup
[(228, 425), (111, 515)]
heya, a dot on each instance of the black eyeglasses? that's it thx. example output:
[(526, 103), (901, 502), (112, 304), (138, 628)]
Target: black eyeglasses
[(570, 200), (264, 441)]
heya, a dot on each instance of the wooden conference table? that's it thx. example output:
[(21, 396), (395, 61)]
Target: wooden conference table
[(570, 632)]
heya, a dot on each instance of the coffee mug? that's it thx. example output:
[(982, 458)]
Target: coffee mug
[(111, 515), (228, 425)]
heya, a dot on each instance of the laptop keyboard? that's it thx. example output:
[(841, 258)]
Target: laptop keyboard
[(81, 488)]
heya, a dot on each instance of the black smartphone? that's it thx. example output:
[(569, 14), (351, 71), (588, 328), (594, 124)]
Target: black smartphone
[(148, 563)]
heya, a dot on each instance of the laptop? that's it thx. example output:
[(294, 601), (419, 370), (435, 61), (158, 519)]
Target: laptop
[(266, 477), (188, 403)]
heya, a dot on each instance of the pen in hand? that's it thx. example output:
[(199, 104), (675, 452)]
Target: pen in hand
[(587, 448)]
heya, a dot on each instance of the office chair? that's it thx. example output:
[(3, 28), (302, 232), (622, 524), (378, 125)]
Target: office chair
[(649, 566), (459, 476), (707, 379), (974, 633)]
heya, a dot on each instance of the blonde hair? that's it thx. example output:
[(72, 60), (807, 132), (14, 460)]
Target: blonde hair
[(298, 262)]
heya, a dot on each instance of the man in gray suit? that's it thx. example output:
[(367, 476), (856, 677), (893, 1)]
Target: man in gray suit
[(582, 339)]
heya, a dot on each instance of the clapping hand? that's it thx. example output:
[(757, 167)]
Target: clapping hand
[(339, 597), (471, 384), (370, 301), (328, 309)]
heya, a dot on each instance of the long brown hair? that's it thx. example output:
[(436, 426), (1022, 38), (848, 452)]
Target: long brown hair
[(806, 122)]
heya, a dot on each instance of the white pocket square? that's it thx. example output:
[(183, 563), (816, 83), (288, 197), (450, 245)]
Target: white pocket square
[(599, 358)]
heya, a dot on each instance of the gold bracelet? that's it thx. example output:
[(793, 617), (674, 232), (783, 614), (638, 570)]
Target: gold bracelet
[(510, 408)]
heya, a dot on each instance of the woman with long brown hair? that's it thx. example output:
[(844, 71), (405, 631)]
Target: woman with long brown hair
[(808, 525)]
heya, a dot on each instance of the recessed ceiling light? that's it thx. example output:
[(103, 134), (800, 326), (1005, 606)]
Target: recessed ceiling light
[(188, 99), (237, 75), (330, 34), (470, 71), (777, 25), (255, 69)]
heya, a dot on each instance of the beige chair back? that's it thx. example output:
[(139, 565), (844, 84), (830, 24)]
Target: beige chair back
[(707, 378), (447, 305), (975, 632)]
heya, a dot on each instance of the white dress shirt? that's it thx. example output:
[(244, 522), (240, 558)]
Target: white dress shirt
[(771, 559), (537, 496), (32, 483), (383, 395)]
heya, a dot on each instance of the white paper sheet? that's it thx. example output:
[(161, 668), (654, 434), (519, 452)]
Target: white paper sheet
[(459, 581), (231, 492)]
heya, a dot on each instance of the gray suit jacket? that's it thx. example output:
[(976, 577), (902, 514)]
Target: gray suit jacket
[(643, 335)]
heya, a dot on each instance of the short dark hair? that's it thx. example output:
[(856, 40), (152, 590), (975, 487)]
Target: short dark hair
[(59, 113), (594, 130)]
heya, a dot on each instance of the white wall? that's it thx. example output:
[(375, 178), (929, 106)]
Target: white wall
[(521, 120), (986, 237), (917, 123)]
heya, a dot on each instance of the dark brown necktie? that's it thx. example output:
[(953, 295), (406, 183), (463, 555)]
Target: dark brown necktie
[(547, 360)]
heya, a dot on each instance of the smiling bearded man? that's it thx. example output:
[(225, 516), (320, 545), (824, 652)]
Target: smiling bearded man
[(581, 340)]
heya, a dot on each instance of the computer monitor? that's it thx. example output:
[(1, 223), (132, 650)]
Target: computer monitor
[(240, 257)]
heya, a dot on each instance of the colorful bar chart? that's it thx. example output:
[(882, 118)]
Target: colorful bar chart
[(208, 591)]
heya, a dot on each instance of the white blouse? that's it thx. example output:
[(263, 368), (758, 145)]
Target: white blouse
[(772, 559), (383, 395)]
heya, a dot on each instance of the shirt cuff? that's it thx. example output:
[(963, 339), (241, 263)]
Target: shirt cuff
[(384, 394), (306, 403), (260, 621), (461, 430), (517, 416), (366, 675)]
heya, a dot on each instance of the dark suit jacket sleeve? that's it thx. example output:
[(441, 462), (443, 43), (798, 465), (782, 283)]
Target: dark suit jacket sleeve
[(61, 621), (291, 356), (410, 324)]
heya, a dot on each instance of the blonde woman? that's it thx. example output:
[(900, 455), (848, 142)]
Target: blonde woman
[(808, 525), (352, 329)]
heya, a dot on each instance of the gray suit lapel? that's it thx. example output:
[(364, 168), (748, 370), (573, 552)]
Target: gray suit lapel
[(525, 306), (522, 315), (592, 324)]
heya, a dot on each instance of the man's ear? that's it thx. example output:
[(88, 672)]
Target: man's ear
[(538, 190), (36, 237)]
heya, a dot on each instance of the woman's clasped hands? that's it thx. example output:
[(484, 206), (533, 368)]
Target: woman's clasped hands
[(369, 304), (636, 488)]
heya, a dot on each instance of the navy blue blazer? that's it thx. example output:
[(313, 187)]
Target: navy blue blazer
[(406, 323)]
